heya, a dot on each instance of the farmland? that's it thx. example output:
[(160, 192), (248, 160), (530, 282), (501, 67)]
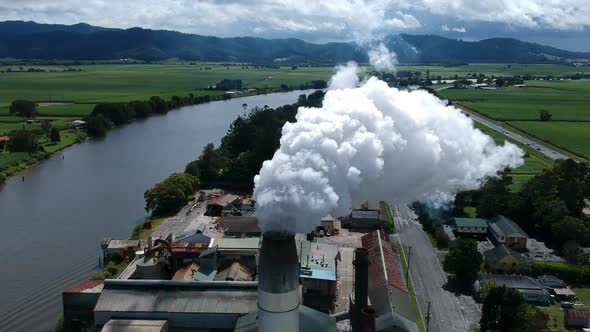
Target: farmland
[(519, 107)]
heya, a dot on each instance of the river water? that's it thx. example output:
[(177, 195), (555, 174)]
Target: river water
[(53, 222)]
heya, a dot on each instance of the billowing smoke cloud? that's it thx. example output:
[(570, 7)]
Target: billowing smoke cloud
[(345, 77), (371, 142), (382, 58)]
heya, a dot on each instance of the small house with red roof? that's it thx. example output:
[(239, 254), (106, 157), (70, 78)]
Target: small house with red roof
[(3, 141)]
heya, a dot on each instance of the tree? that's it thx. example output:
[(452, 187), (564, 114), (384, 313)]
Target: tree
[(495, 197), (116, 112), (141, 109), (24, 108), (159, 105), (54, 135), (46, 127), (22, 141), (171, 194), (571, 228), (192, 168), (544, 115), (463, 260), (97, 126), (210, 163), (505, 310)]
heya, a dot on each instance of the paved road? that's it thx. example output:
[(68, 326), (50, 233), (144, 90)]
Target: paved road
[(448, 311), (550, 153)]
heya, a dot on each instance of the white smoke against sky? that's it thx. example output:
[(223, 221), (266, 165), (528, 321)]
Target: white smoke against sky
[(382, 58), (371, 142), (345, 77)]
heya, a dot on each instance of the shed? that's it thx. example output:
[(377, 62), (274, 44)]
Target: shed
[(78, 304), (505, 260), (187, 305), (528, 287), (576, 318), (506, 231), (239, 226), (471, 226), (216, 205)]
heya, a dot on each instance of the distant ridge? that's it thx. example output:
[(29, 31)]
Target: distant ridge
[(30, 40)]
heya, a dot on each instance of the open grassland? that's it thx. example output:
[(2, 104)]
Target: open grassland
[(119, 83), (495, 69), (567, 101), (572, 136)]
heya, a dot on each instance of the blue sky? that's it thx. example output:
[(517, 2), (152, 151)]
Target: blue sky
[(560, 23)]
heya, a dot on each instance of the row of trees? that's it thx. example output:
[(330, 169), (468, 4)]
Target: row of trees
[(250, 140), (106, 115)]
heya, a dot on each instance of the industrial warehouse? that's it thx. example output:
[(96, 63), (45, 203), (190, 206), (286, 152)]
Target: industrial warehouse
[(225, 275)]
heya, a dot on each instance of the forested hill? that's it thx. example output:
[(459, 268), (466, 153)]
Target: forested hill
[(30, 40)]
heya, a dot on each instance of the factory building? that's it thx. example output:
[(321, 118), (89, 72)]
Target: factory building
[(78, 305), (368, 215), (318, 266), (239, 226), (189, 305), (387, 289), (506, 231)]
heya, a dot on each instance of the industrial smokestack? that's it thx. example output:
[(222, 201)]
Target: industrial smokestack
[(368, 320), (278, 284), (361, 286)]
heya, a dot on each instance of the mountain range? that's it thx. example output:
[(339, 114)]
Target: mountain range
[(31, 40)]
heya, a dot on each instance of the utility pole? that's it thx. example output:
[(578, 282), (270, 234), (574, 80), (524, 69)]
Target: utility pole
[(428, 317), (409, 256)]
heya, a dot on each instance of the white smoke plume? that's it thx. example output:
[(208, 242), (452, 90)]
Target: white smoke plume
[(371, 142), (345, 77), (382, 58)]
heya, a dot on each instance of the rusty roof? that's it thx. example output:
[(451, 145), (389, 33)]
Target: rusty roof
[(223, 200), (83, 286), (384, 262), (577, 314)]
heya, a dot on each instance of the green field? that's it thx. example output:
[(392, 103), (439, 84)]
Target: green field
[(103, 83), (534, 161), (518, 107), (572, 136), (495, 69)]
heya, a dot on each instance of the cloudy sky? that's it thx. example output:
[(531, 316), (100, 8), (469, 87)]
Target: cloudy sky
[(561, 23)]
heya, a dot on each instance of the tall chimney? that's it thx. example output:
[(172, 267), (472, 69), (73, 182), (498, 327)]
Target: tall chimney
[(361, 286), (368, 320), (278, 284)]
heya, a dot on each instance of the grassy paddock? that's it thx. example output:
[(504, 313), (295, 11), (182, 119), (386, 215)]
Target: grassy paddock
[(574, 137)]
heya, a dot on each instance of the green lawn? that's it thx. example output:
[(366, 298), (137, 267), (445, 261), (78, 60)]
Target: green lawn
[(470, 211), (571, 136), (565, 100)]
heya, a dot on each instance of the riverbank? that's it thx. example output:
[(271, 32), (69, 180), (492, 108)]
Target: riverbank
[(13, 163)]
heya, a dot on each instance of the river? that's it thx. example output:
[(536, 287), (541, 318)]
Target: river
[(53, 222)]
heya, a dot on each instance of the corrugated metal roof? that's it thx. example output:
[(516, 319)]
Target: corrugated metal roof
[(235, 244), (577, 314), (502, 251), (309, 320), (514, 281), (505, 227), (122, 244), (471, 222), (384, 261), (223, 200), (239, 224), (177, 300), (85, 286)]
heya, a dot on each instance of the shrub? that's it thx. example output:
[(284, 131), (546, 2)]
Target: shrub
[(571, 274)]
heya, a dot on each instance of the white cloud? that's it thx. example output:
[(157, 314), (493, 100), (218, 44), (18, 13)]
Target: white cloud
[(554, 14), (344, 19), (455, 29)]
